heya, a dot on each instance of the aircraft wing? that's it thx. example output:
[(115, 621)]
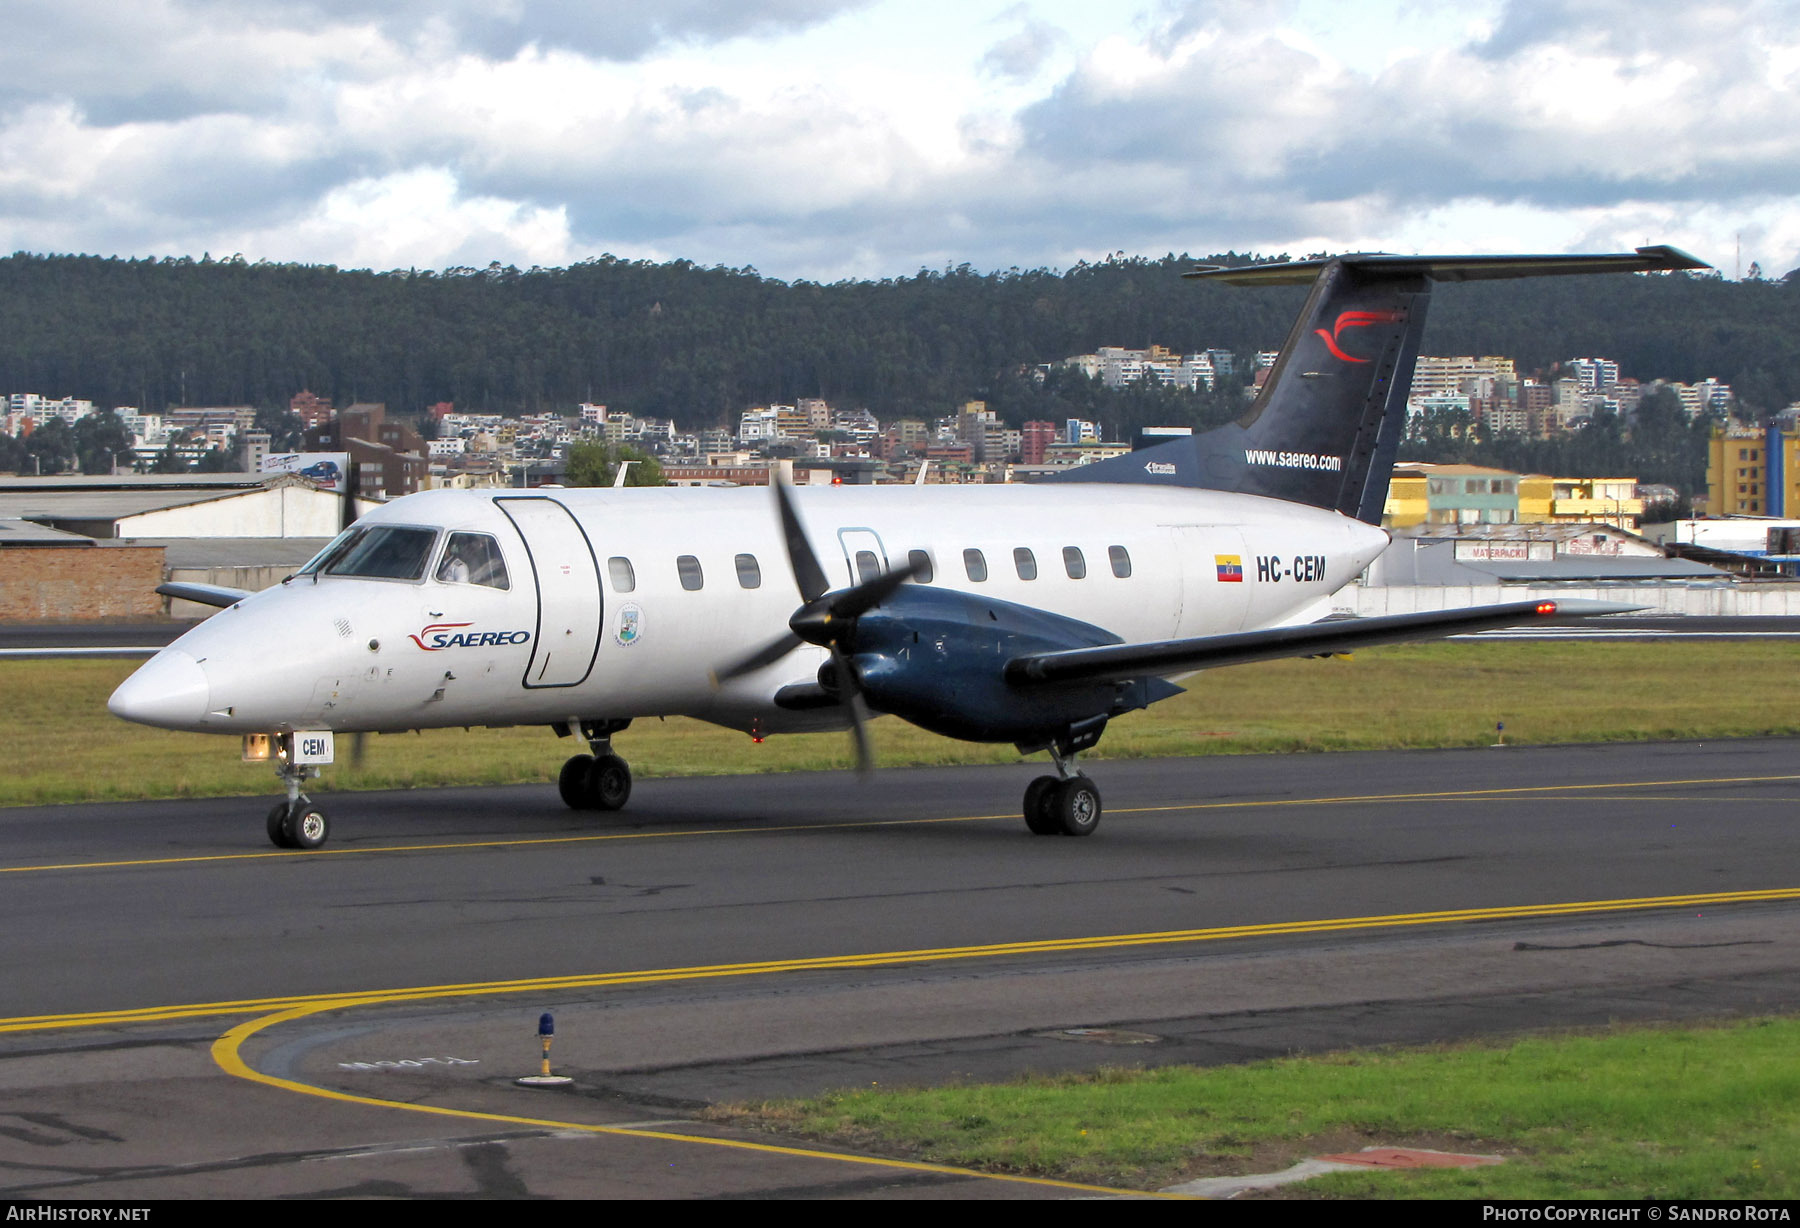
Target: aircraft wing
[(1121, 661), (205, 594)]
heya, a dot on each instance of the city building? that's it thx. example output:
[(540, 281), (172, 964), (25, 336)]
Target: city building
[(388, 458), (1425, 496), (313, 410)]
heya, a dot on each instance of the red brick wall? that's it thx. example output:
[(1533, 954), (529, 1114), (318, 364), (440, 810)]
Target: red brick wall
[(54, 584)]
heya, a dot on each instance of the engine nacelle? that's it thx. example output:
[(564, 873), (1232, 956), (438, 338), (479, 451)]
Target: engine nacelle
[(935, 658)]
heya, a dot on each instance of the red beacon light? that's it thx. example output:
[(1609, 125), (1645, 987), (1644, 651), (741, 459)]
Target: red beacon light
[(1546, 607)]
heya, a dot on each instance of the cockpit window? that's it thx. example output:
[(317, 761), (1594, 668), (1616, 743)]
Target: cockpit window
[(473, 558), (380, 552), (329, 554)]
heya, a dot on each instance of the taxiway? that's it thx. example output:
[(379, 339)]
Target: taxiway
[(188, 1012)]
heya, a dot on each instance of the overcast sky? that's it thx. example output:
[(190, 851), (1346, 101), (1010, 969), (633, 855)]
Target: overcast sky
[(828, 139)]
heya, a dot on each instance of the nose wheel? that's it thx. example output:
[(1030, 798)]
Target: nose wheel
[(298, 825)]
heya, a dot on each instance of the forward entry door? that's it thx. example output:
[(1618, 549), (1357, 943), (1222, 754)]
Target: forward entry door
[(864, 555), (568, 591)]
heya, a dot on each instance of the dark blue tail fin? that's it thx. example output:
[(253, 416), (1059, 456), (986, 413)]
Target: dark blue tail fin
[(1326, 425)]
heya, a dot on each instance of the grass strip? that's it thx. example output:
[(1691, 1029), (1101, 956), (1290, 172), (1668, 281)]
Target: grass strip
[(1632, 1112), (62, 744)]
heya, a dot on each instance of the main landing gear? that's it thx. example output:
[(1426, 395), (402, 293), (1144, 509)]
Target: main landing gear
[(1066, 804), (600, 781)]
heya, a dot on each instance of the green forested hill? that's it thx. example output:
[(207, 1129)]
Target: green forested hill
[(700, 344)]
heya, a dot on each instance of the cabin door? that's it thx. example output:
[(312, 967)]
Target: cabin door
[(864, 555), (568, 591)]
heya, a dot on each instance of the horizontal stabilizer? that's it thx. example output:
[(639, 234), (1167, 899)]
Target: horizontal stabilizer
[(204, 594), (1660, 259), (1122, 661)]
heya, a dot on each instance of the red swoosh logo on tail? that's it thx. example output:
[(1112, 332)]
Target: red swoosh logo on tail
[(1355, 319)]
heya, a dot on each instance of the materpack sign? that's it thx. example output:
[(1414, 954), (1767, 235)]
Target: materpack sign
[(326, 469)]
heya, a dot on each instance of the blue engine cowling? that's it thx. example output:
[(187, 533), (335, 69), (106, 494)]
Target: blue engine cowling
[(934, 657)]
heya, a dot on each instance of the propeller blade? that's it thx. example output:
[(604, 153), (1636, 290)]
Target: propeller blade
[(819, 620), (768, 654), (808, 575), (850, 688), (859, 731), (871, 593)]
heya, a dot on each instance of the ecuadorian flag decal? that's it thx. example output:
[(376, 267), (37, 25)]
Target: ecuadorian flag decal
[(1231, 568)]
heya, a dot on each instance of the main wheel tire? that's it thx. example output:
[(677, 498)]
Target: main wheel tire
[(1076, 806), (609, 783), (278, 826), (1037, 807), (307, 827), (572, 783)]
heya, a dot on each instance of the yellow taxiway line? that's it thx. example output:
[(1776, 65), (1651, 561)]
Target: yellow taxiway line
[(272, 1012), (308, 1003), (227, 1053), (748, 829)]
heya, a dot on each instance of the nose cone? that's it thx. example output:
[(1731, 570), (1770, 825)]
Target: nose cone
[(169, 690)]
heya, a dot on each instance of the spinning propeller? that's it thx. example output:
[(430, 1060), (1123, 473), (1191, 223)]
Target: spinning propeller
[(827, 618)]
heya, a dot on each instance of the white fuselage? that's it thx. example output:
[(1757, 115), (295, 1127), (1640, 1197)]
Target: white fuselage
[(567, 639)]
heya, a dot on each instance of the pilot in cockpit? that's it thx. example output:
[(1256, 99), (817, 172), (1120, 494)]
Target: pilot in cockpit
[(455, 568), (472, 558)]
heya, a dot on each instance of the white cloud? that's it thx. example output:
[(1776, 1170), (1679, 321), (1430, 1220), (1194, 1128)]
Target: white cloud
[(829, 138), (416, 218)]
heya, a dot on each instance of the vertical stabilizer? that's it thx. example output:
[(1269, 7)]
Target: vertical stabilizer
[(1327, 424)]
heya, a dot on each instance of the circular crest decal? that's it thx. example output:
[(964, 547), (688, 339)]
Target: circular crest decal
[(631, 625)]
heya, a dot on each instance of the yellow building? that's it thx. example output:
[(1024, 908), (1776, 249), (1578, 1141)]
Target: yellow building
[(1424, 494), (1752, 473), (1734, 473), (1449, 494), (1406, 504), (1549, 500)]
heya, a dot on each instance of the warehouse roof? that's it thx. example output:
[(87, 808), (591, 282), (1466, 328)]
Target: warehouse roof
[(28, 533)]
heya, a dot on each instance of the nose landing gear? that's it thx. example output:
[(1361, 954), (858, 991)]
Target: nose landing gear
[(296, 823)]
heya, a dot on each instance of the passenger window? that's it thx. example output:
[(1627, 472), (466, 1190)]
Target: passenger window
[(1073, 563), (749, 574), (689, 568), (867, 565), (921, 565), (1026, 562), (624, 580), (1121, 561), (473, 558), (975, 565)]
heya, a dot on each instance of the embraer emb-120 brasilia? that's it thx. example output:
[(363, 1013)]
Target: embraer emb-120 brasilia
[(1030, 614)]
